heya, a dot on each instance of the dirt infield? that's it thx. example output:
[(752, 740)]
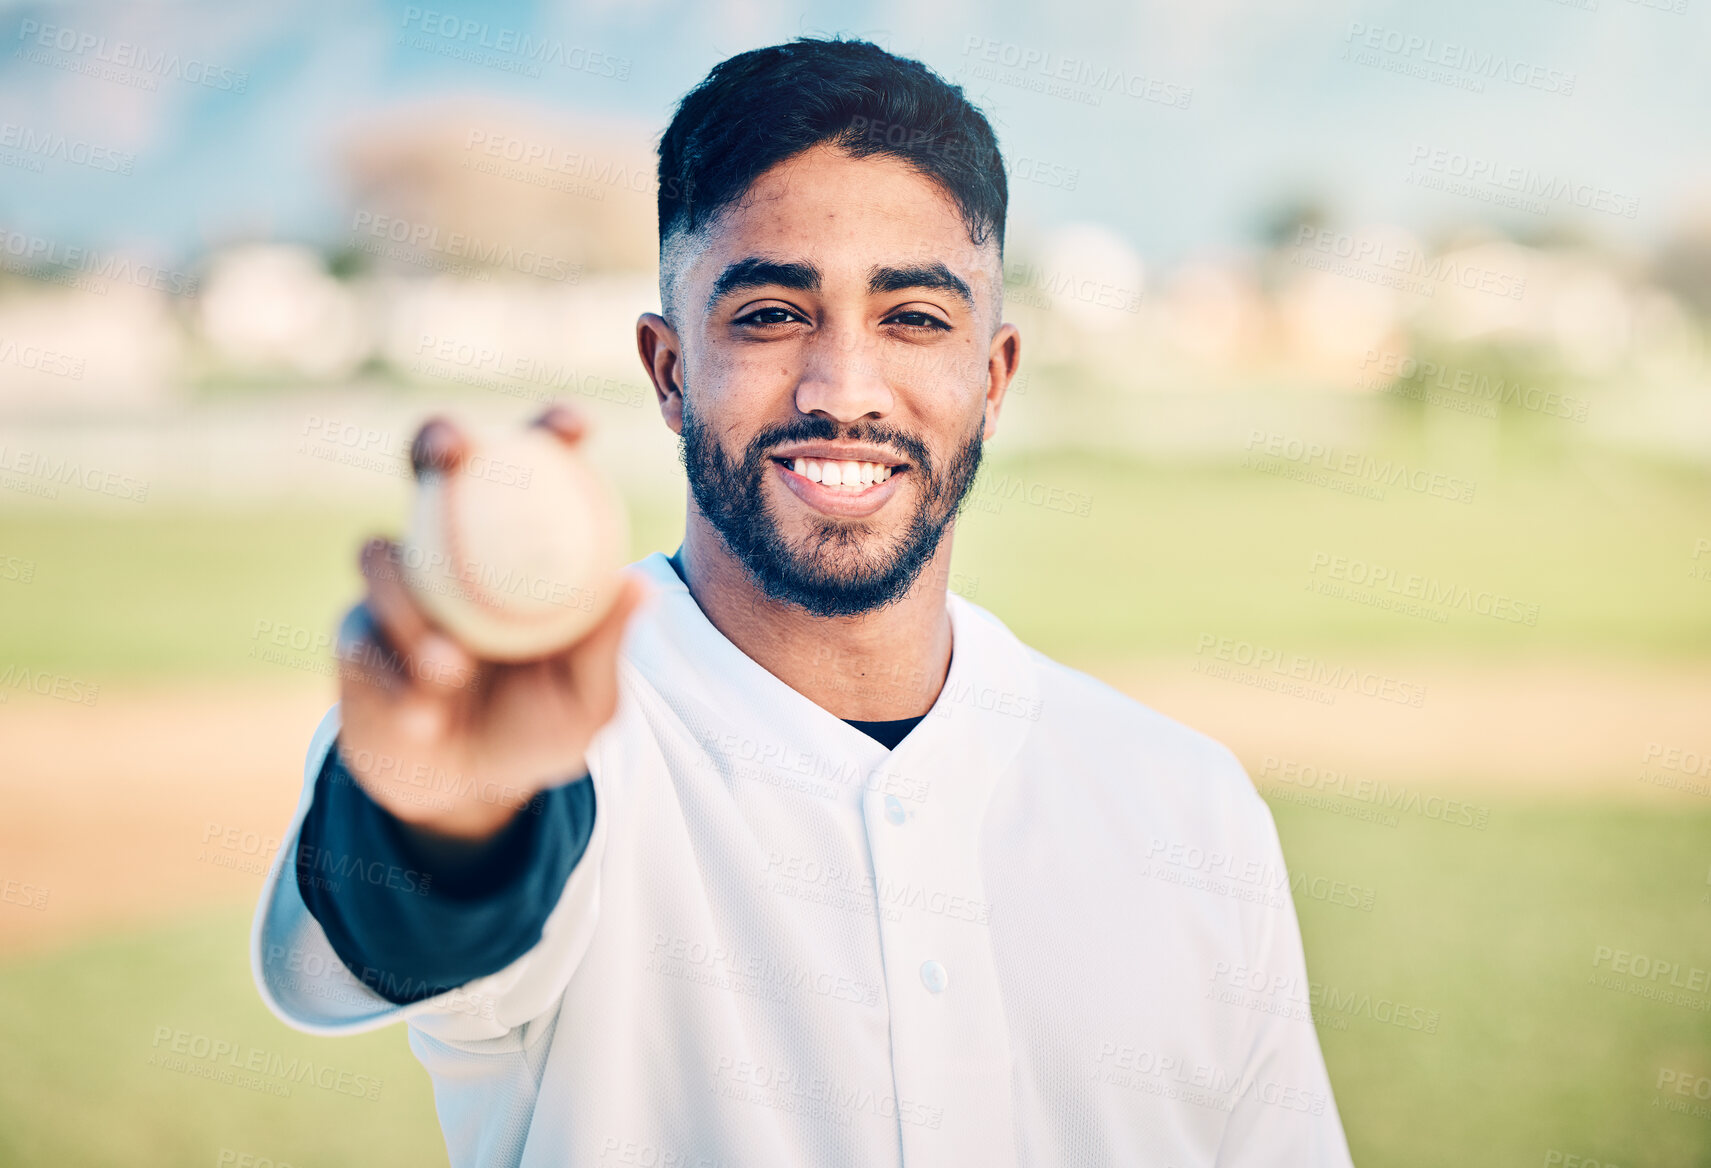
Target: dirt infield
[(120, 810), (153, 802), (1558, 726)]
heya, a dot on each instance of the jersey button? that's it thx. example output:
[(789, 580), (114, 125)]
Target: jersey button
[(934, 977), (894, 812)]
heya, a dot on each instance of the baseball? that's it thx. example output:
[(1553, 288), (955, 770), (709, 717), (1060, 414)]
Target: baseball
[(516, 554)]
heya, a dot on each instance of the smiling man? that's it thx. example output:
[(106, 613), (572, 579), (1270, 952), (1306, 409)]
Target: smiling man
[(819, 865)]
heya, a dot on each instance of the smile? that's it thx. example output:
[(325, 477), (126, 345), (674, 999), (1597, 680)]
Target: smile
[(844, 488)]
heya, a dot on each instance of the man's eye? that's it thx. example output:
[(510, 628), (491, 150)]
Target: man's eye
[(914, 319), (766, 316)]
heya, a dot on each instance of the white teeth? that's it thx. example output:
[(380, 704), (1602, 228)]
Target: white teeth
[(846, 474)]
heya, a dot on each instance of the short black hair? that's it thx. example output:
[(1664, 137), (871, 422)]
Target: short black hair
[(759, 108)]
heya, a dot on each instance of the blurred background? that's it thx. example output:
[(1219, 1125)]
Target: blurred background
[(1364, 423)]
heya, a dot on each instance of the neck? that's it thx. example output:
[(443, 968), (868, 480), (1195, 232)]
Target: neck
[(872, 667)]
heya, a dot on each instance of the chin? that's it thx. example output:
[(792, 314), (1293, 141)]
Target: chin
[(837, 571)]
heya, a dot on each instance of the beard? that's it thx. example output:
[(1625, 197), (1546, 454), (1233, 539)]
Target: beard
[(843, 567)]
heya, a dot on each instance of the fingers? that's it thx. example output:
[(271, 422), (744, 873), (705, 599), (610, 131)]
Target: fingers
[(389, 605), (427, 658), (438, 448), (362, 654), (565, 422)]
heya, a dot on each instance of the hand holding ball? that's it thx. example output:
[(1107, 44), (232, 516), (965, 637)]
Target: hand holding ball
[(516, 549), (486, 646)]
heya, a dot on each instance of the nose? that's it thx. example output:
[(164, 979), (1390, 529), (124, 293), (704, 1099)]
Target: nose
[(842, 377)]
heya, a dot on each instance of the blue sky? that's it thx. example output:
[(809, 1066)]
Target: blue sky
[(1275, 107)]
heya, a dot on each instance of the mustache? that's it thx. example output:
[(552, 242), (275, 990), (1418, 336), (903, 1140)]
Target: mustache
[(814, 428)]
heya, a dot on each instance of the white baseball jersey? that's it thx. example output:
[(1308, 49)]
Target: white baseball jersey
[(1029, 935)]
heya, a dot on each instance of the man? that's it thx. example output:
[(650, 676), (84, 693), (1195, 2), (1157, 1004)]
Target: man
[(852, 877)]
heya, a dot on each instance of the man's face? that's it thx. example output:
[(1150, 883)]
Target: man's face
[(842, 364)]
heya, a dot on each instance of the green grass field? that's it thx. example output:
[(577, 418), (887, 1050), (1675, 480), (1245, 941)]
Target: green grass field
[(1496, 931)]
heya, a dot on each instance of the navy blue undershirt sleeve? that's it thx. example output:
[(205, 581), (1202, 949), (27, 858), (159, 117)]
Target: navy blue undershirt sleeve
[(412, 925)]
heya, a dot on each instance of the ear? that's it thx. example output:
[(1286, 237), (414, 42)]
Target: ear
[(662, 357), (1002, 360)]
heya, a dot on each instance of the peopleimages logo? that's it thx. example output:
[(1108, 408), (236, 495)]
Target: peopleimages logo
[(1356, 472), (146, 64), (1258, 989), (38, 146), (1407, 376), (412, 236), (1645, 976), (1310, 671), (45, 683), (530, 159), (1055, 75), (1378, 793), (1378, 260), (30, 254), (238, 1064), (1524, 182), (37, 359), (1387, 583), (1121, 1064), (1446, 62), (498, 46)]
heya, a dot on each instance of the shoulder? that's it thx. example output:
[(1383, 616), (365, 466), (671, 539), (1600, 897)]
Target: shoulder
[(1088, 704), (1127, 750), (1068, 704)]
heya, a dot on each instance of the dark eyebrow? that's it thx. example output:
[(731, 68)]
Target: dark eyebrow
[(920, 276), (755, 272)]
